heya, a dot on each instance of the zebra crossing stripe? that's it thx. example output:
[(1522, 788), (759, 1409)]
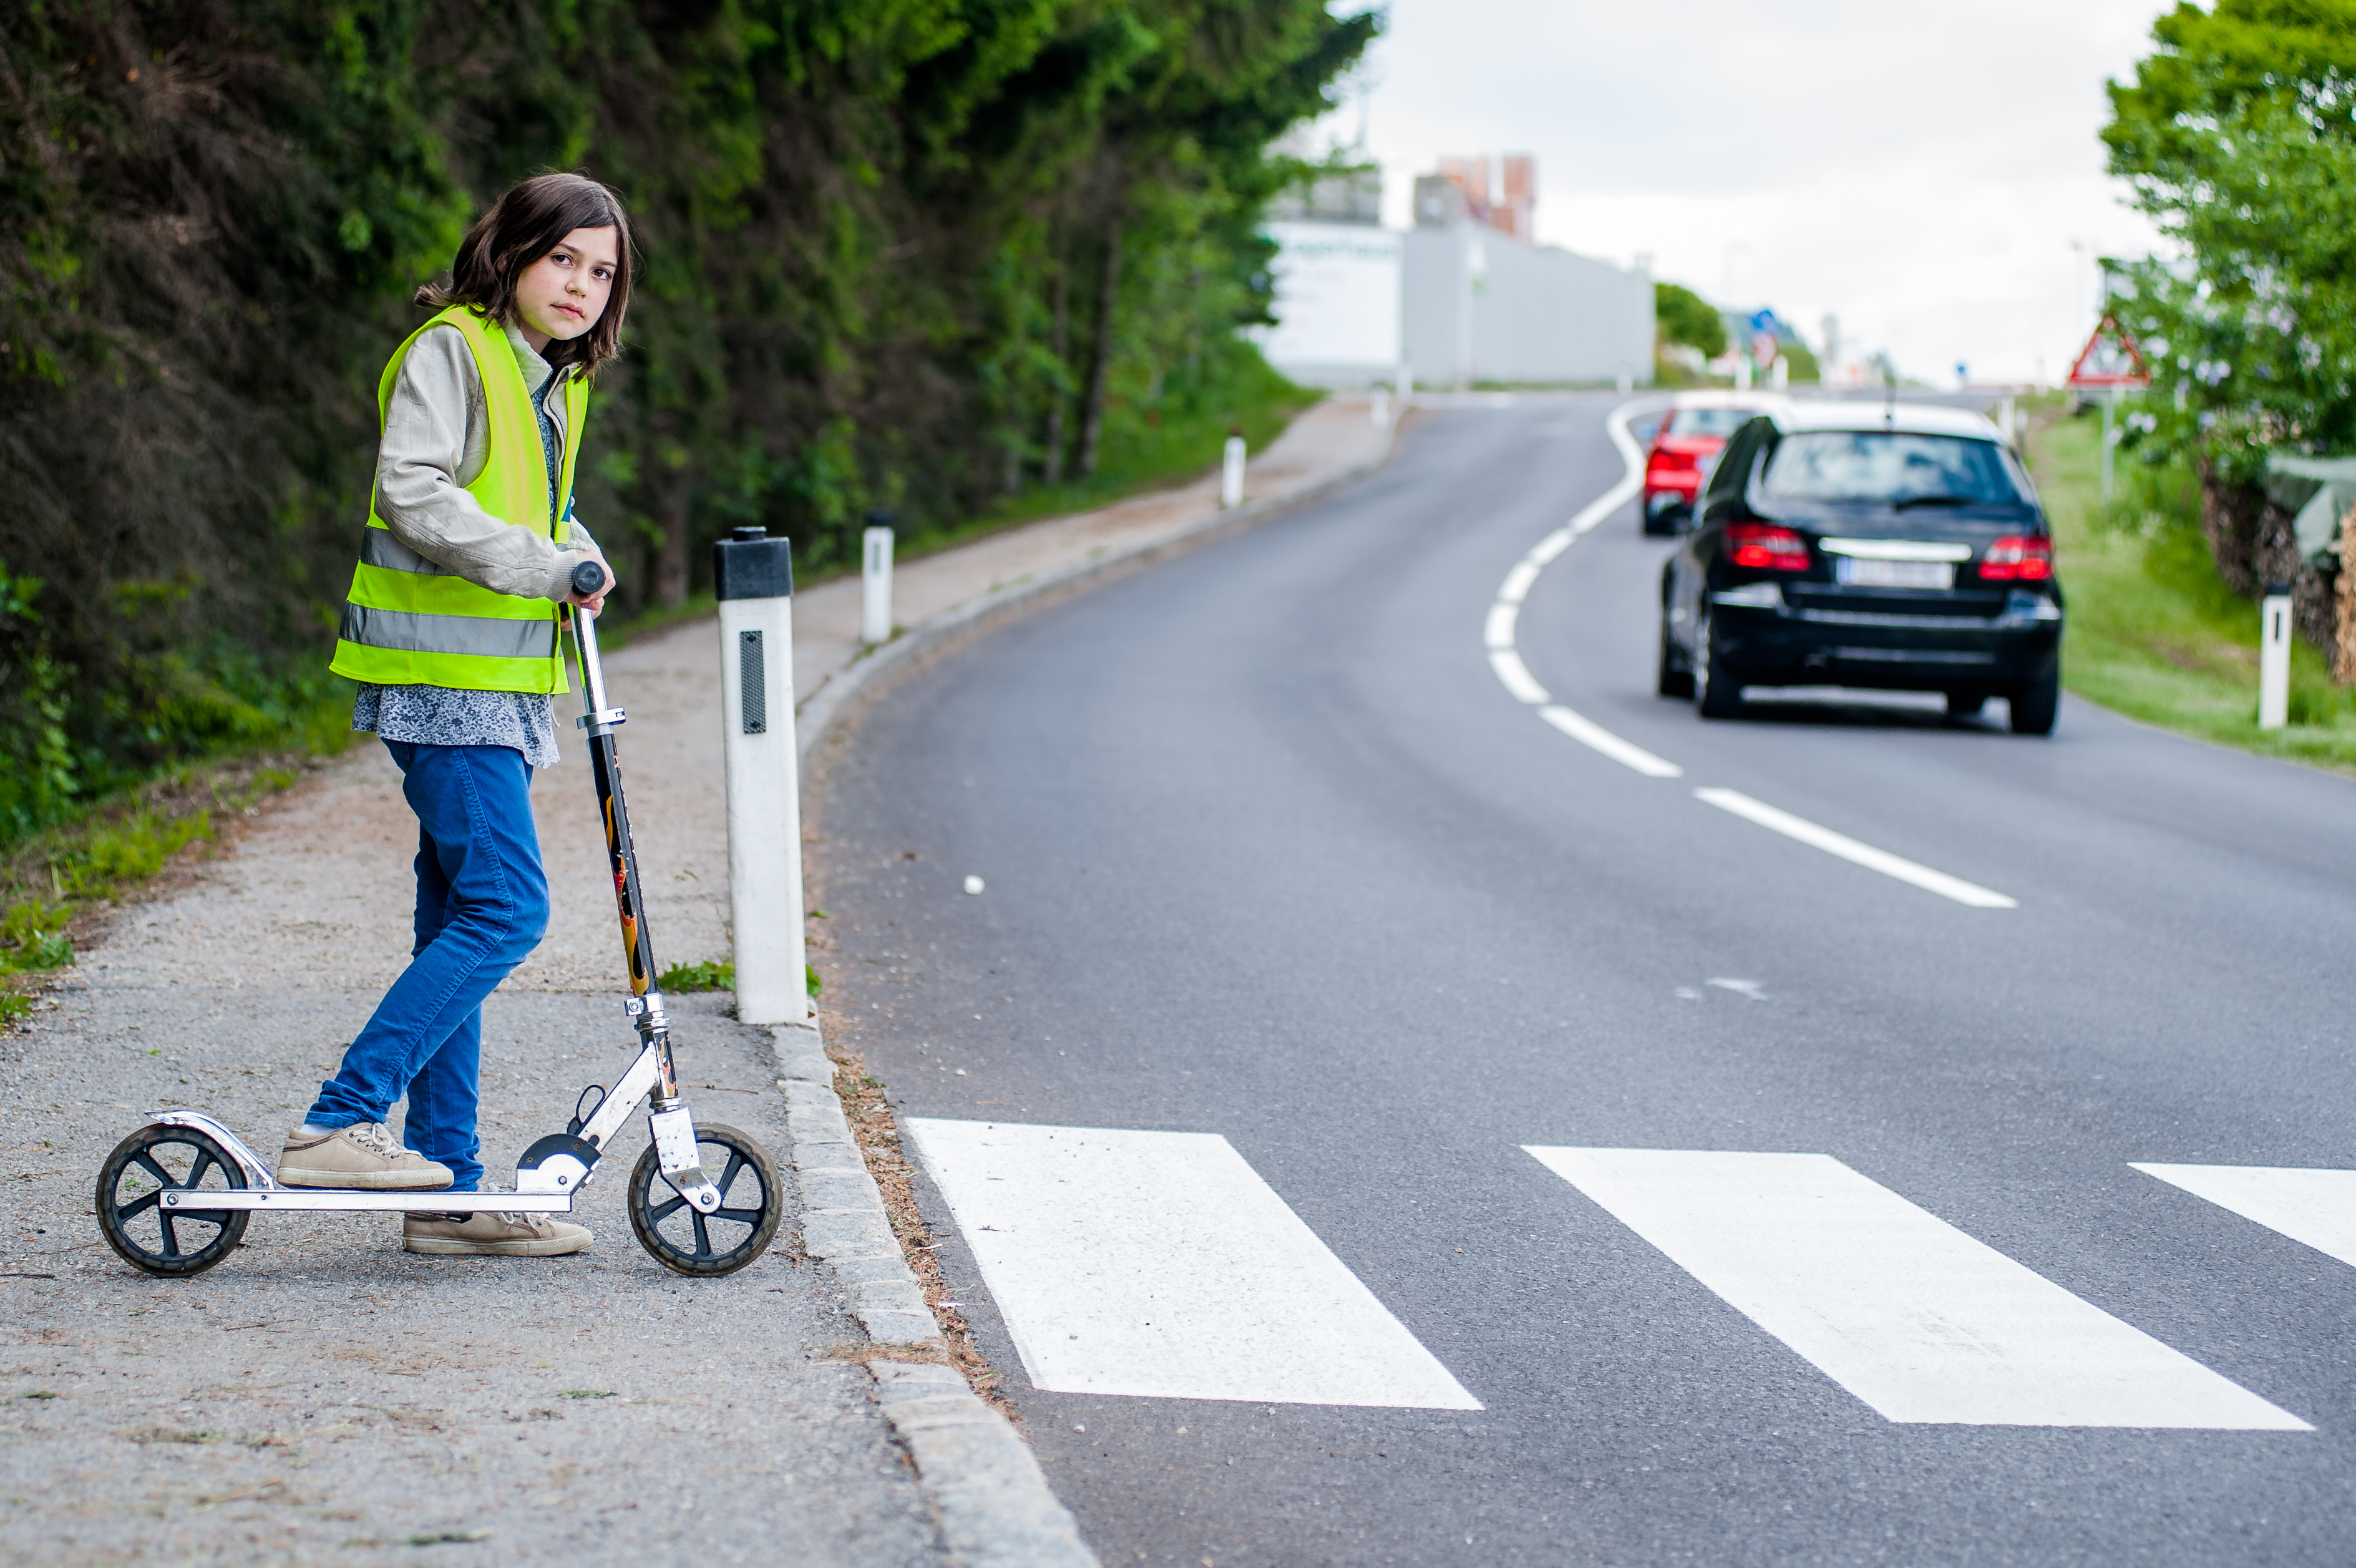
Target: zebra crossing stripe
[(1904, 1311), (1160, 1264), (2315, 1207)]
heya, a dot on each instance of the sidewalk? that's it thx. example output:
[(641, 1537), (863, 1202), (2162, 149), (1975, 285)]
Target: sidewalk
[(323, 1396)]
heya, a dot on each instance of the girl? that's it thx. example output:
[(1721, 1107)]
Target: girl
[(451, 630)]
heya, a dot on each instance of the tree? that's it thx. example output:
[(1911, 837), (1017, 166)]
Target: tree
[(2238, 136), (891, 249), (1687, 318)]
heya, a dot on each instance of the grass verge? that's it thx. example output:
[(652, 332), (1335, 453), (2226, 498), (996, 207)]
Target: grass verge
[(2153, 633)]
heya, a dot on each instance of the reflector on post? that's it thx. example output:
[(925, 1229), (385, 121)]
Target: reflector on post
[(2274, 657)]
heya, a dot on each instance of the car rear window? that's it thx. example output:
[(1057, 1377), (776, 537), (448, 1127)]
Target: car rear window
[(1718, 422), (1889, 467)]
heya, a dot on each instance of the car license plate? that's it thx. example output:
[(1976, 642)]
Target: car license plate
[(1863, 574)]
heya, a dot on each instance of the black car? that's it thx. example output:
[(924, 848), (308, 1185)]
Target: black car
[(1889, 545)]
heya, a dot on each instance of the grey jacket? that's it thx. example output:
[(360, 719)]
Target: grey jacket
[(427, 458)]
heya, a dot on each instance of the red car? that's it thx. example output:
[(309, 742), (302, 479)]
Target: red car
[(1687, 447)]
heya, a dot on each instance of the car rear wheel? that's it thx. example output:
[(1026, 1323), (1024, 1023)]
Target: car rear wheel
[(1716, 696), (1965, 705), (1671, 679), (2036, 702)]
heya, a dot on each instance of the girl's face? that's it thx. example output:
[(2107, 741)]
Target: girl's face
[(560, 296)]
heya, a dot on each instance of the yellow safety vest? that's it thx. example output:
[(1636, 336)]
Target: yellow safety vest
[(408, 621)]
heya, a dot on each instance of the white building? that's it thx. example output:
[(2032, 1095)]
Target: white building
[(1482, 305), (1338, 288), (1454, 301)]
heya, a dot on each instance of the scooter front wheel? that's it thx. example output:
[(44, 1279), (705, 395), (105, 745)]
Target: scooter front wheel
[(177, 1242), (752, 1206)]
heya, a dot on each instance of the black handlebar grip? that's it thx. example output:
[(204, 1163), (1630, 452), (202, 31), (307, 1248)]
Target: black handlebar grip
[(588, 577)]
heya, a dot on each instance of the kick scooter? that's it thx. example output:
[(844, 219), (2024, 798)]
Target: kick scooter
[(174, 1199)]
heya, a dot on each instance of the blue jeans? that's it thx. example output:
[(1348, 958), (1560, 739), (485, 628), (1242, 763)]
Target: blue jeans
[(482, 906)]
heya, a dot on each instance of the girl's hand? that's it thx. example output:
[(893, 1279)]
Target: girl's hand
[(593, 603)]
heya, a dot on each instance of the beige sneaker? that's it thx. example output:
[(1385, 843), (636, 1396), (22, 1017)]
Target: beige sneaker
[(491, 1234), (363, 1156)]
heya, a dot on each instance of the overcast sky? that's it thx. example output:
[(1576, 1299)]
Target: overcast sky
[(1919, 170)]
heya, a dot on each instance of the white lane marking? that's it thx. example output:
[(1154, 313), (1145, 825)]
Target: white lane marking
[(1160, 1264), (1850, 850), (1542, 554), (1917, 1319), (2315, 1206), (1498, 635), (1516, 676), (1615, 425), (1587, 732)]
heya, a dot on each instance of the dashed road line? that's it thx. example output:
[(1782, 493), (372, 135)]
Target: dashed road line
[(1850, 850), (1590, 734), (1914, 1317), (1500, 633)]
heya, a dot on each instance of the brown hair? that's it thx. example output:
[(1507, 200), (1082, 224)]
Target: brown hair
[(521, 227)]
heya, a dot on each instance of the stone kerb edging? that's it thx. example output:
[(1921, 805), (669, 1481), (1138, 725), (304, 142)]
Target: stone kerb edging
[(842, 1213), (995, 1507)]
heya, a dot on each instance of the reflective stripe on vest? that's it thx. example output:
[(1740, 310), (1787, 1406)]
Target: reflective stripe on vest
[(476, 637), (410, 621)]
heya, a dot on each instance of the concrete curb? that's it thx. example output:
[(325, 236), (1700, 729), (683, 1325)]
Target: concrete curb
[(825, 707), (995, 1506), (842, 1213), (993, 1503)]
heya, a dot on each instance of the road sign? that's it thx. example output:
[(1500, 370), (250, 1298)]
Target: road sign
[(2110, 360)]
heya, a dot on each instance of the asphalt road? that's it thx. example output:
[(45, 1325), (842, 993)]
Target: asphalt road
[(1271, 853)]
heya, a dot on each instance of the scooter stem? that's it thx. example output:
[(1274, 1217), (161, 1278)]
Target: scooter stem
[(646, 1003)]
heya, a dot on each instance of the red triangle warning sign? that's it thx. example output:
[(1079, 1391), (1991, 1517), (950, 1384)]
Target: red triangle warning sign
[(2110, 359)]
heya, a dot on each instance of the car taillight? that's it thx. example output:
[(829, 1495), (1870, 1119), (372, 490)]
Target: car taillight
[(1767, 547), (2018, 558), (1666, 462)]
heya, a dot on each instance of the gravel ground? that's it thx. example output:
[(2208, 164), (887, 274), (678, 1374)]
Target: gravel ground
[(323, 1396)]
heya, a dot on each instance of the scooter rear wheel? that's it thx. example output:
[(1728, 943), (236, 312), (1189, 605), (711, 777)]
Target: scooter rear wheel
[(130, 1188), (752, 1206)]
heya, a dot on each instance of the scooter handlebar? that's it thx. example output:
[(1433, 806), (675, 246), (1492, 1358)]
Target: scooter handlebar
[(588, 577)]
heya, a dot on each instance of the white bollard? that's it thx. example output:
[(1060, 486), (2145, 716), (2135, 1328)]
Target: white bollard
[(1231, 475), (2110, 444), (1743, 372), (1779, 378), (1627, 381), (1405, 386), (2274, 657), (753, 577), (1378, 407), (875, 587)]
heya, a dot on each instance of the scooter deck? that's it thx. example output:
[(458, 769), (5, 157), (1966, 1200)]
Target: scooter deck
[(209, 1200), (264, 1191)]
